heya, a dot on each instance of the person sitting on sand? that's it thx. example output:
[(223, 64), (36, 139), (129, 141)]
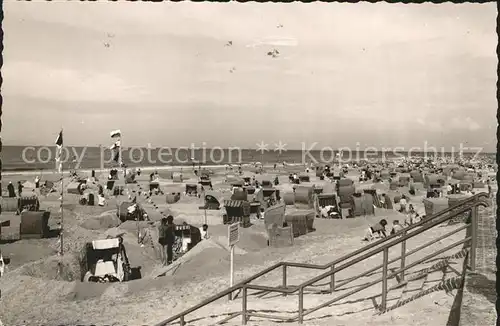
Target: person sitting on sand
[(449, 189), (101, 200), (328, 211), (262, 214), (382, 201), (378, 229), (204, 231), (396, 227), (430, 193)]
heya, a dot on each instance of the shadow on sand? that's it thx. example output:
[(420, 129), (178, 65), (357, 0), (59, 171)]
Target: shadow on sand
[(480, 284)]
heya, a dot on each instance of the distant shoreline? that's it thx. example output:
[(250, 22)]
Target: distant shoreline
[(174, 168)]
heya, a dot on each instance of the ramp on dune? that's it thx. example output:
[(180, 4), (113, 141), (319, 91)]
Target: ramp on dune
[(197, 256)]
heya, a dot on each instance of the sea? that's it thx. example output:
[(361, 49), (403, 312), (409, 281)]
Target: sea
[(32, 158)]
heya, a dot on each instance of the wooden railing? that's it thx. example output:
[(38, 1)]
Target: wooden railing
[(469, 204)]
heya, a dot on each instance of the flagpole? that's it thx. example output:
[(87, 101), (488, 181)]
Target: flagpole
[(121, 157), (62, 199)]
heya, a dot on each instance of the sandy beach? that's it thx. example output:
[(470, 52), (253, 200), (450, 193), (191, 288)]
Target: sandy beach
[(197, 274)]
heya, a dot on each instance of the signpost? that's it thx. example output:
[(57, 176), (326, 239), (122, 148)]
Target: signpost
[(233, 238)]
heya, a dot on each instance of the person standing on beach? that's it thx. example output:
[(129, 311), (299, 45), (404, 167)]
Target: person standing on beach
[(20, 188), (162, 240), (403, 204), (170, 239), (11, 190)]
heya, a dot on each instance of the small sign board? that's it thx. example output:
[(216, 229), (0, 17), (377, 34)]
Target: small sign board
[(234, 233)]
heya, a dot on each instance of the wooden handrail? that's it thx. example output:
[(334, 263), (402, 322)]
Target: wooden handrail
[(371, 253), (426, 223), (391, 275), (220, 294), (409, 253), (390, 237)]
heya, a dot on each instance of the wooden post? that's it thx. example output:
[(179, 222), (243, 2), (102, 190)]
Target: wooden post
[(473, 248), (284, 279), (62, 211), (301, 305), (244, 306), (383, 304), (403, 257), (181, 321), (332, 279), (231, 277)]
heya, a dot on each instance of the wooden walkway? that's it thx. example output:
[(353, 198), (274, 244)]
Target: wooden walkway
[(478, 305)]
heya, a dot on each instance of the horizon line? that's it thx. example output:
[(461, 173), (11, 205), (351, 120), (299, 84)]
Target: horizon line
[(401, 148)]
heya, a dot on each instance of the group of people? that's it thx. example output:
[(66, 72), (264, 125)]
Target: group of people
[(11, 189), (167, 238), (379, 230), (12, 192)]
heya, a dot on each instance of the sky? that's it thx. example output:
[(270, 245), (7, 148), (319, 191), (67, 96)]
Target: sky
[(369, 74)]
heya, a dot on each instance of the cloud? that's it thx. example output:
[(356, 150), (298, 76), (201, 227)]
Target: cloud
[(464, 123), (456, 123), (275, 41), (430, 124), (67, 84)]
